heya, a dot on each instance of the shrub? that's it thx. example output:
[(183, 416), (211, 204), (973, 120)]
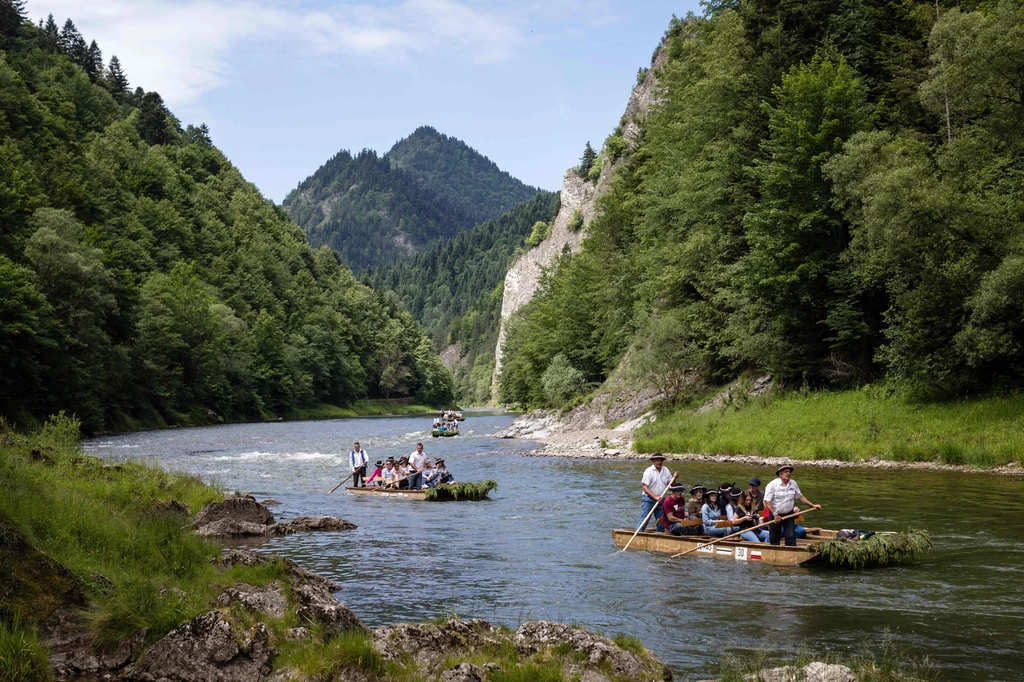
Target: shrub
[(576, 221), (562, 381), (615, 146), (541, 230)]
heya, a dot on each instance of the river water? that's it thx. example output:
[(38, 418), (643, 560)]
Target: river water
[(542, 548)]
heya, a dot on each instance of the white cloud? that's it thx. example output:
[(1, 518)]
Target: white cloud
[(184, 48)]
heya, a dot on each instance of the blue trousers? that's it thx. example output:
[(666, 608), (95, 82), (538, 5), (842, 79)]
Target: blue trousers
[(416, 481), (647, 503), (720, 532)]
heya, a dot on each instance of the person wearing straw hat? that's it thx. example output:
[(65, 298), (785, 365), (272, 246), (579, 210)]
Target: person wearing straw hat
[(673, 510), (693, 508), (656, 478), (711, 515), (779, 497)]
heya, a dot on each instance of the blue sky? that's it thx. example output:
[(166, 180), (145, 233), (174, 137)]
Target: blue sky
[(284, 85)]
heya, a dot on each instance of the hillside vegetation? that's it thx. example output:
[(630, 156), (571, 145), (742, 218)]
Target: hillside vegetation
[(381, 210), (828, 191), (144, 281), (454, 288)]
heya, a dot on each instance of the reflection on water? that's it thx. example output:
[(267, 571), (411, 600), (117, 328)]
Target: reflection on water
[(542, 548)]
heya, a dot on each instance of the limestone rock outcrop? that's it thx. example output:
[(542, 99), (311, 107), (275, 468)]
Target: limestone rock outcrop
[(523, 278), (536, 635), (206, 649)]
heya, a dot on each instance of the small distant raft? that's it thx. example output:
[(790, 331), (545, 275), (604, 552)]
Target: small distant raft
[(446, 491), (820, 547), (444, 434)]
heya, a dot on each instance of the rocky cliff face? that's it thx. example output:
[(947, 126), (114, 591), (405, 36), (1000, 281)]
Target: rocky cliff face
[(523, 278)]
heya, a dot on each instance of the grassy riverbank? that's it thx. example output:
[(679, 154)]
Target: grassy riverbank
[(107, 547), (849, 426)]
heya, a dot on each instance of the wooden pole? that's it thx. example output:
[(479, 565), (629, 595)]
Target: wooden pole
[(647, 518), (766, 523)]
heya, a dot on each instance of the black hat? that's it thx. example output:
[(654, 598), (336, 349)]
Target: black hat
[(712, 492), (379, 463), (784, 466), (725, 486), (755, 481), (677, 488), (658, 455), (438, 461), (734, 493), (698, 488), (391, 460)]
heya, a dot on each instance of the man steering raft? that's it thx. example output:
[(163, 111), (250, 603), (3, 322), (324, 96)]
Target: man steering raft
[(357, 461), (779, 498), (656, 479)]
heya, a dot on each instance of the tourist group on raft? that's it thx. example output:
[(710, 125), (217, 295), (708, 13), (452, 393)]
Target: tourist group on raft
[(706, 508), (414, 472), (448, 421)]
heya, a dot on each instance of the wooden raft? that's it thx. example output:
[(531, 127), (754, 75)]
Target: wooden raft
[(776, 555)]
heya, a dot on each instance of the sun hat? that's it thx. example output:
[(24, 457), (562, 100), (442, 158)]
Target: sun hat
[(755, 481), (784, 466), (677, 488), (439, 461), (658, 455), (734, 493), (379, 463), (698, 488), (711, 492)]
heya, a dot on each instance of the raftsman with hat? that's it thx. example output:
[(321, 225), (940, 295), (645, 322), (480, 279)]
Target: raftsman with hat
[(779, 498), (656, 478)]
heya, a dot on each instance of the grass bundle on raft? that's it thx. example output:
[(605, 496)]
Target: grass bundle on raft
[(461, 491), (878, 550)]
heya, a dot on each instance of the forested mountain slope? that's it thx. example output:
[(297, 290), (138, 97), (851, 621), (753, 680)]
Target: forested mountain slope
[(377, 211), (454, 288), (829, 191), (143, 280)]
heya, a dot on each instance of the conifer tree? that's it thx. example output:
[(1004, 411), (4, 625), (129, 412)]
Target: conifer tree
[(51, 34), (94, 61), (587, 160), (12, 14), (117, 81), (74, 45)]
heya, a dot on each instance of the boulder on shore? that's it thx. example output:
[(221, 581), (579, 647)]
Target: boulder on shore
[(244, 517), (206, 649)]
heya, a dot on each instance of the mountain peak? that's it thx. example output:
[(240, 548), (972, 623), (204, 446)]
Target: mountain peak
[(429, 185)]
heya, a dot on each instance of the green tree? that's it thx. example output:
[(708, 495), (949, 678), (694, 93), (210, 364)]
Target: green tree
[(796, 309), (586, 161), (561, 381), (117, 81)]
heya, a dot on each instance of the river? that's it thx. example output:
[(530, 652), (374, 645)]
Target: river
[(541, 547)]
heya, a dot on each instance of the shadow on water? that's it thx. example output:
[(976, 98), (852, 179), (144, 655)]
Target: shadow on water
[(541, 546)]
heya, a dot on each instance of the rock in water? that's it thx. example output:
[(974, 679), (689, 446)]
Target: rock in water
[(243, 509), (321, 523), (206, 649)]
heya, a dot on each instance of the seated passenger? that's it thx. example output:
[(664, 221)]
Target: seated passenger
[(693, 510), (441, 474), (377, 478), (710, 515), (740, 518), (390, 473), (748, 507), (673, 510)]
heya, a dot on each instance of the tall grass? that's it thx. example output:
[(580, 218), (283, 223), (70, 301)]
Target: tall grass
[(98, 517), (22, 657), (849, 425)]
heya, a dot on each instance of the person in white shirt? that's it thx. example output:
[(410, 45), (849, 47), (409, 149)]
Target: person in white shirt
[(779, 497), (357, 461), (417, 460), (656, 478)]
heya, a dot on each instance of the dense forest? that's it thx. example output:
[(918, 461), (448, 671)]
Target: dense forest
[(454, 288), (831, 191), (144, 281), (378, 211)]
